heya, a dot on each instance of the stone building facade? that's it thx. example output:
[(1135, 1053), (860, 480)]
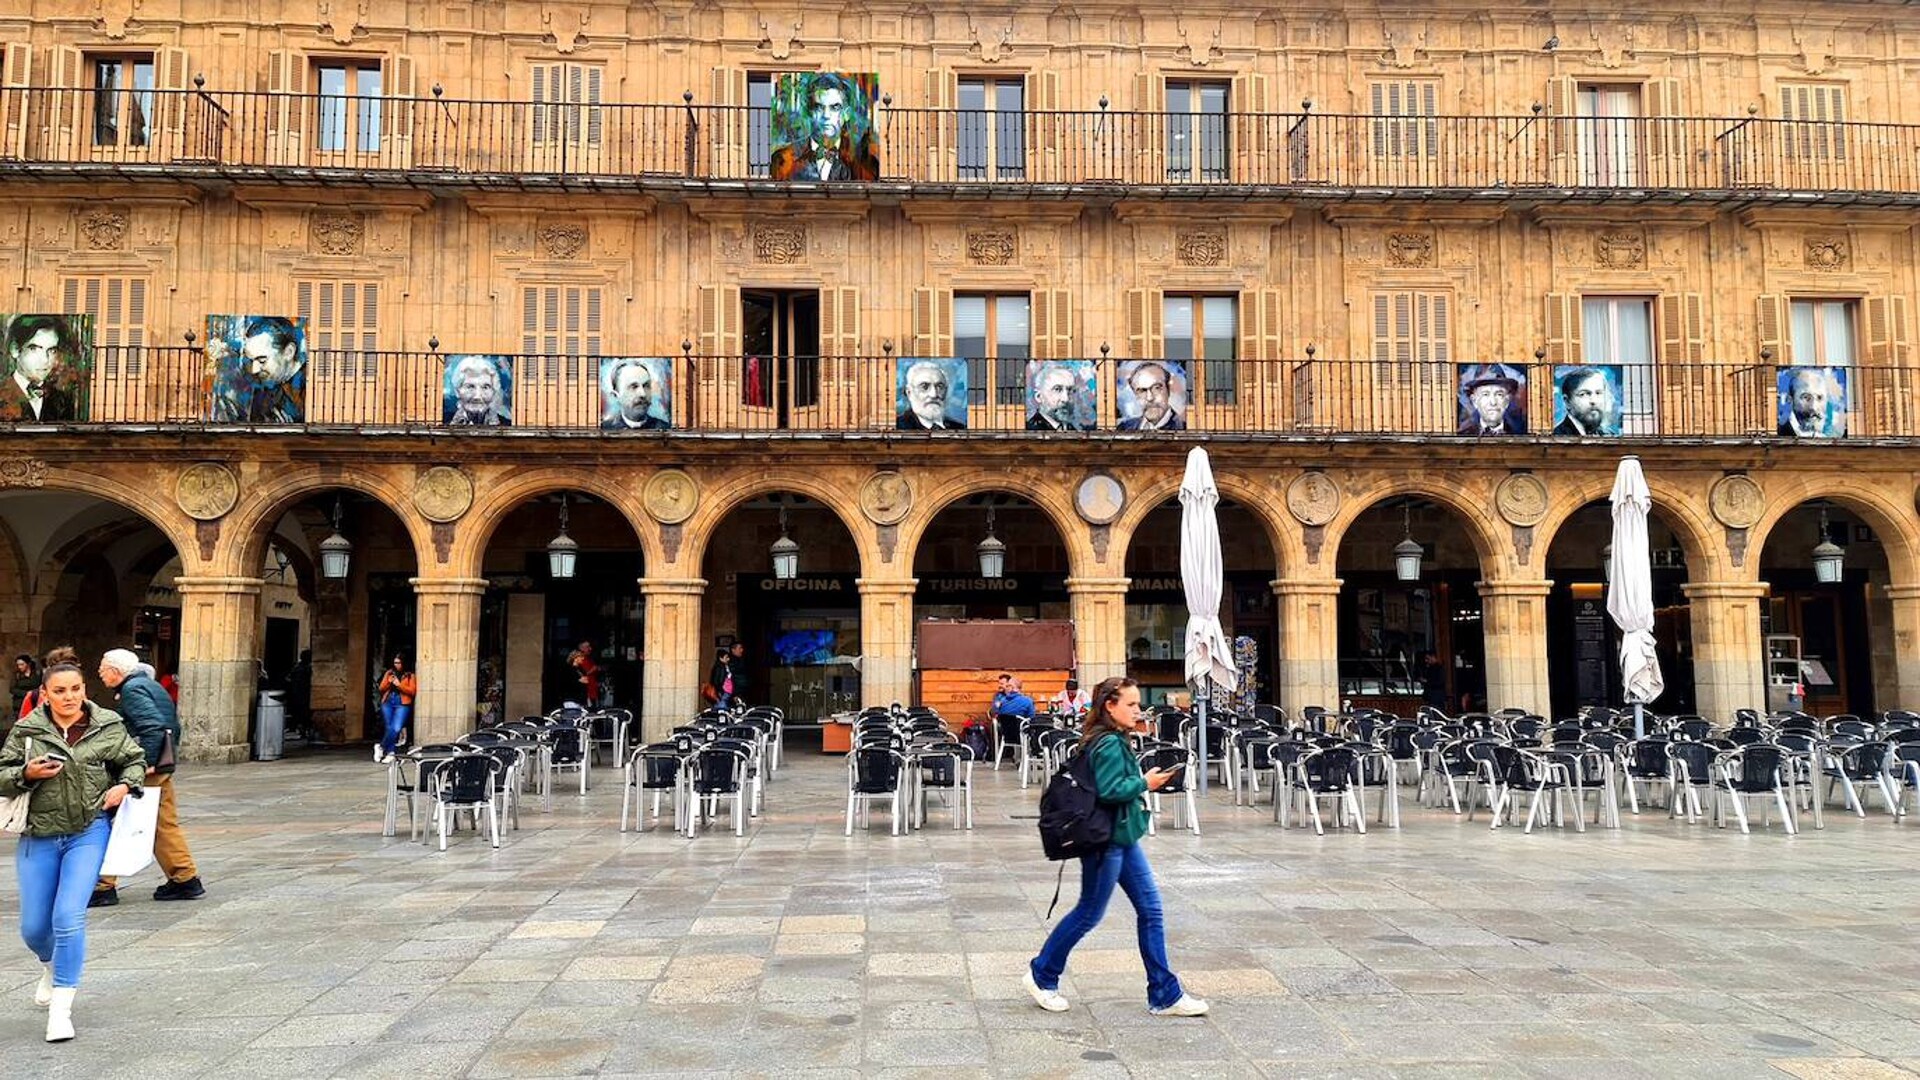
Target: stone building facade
[(1321, 215)]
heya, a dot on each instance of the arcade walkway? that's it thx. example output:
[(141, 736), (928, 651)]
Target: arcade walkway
[(1442, 949)]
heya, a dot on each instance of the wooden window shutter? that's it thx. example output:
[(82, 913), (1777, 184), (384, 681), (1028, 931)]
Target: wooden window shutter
[(1682, 329), (1383, 338), (545, 83), (1250, 134), (840, 321), (1563, 105), (1666, 143), (1687, 402), (720, 320), (1052, 324), (16, 75), (942, 131), (1046, 129), (286, 114), (529, 319), (1146, 314), (66, 127), (170, 76), (729, 122), (593, 79), (1437, 335), (1563, 329), (1260, 325), (1887, 333), (1775, 328), (397, 111), (932, 322), (1149, 130)]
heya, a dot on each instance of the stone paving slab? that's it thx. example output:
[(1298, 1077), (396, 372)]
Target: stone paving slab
[(1442, 949)]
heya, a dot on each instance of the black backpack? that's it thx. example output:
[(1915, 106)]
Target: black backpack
[(974, 738), (1073, 824)]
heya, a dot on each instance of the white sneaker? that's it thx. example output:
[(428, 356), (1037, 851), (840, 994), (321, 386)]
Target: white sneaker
[(1188, 1005), (43, 991), (378, 753), (1049, 1000), (60, 1015)]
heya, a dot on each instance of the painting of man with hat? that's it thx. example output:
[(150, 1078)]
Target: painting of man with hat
[(1492, 400)]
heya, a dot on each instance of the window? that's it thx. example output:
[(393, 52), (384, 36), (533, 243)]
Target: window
[(1818, 112), (994, 333), (349, 107), (1410, 328), (1608, 134), (992, 132), (1196, 131), (343, 319), (122, 100), (559, 321), (1204, 328), (760, 122), (119, 309), (1407, 101), (1618, 330), (1823, 332), (566, 99)]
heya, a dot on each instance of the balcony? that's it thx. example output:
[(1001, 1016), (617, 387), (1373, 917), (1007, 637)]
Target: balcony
[(1313, 399), (439, 141)]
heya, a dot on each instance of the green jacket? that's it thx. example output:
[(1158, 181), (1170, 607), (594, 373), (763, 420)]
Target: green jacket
[(1118, 782), (68, 802)]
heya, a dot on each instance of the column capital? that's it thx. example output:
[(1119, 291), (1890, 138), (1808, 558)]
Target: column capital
[(1306, 586), (448, 586), (1725, 590), (1507, 587), (1098, 584), (660, 586), (188, 586), (1902, 592), (887, 586)]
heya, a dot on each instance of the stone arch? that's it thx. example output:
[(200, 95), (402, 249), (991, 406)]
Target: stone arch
[(1892, 521), (477, 527), (262, 507), (1257, 499), (1483, 527), (948, 490), (150, 503), (1681, 509), (725, 495)]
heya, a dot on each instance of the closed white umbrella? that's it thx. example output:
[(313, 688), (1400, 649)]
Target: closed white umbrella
[(1630, 592), (1202, 575)]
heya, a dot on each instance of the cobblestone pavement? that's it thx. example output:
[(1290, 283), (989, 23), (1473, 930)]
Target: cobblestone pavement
[(1441, 949)]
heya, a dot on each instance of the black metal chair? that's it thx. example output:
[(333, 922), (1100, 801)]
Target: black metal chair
[(1757, 769), (874, 774), (1692, 765), (465, 782), (1645, 761), (1330, 774), (720, 771), (1181, 784), (654, 768)]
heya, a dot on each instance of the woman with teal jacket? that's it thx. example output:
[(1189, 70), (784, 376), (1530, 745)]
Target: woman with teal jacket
[(1119, 784)]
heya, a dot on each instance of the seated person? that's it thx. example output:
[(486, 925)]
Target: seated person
[(1071, 701), (1010, 706)]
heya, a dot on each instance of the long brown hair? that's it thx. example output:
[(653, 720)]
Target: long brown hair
[(1099, 719)]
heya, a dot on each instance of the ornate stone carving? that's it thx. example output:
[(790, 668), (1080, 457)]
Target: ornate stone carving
[(1736, 501), (779, 244), (1410, 249), (992, 46), (1313, 498), (1201, 247), (1522, 499), (442, 541), (1737, 546), (1315, 538), (206, 490), (1620, 249), (992, 247), (443, 493), (1523, 542), (1099, 498), (562, 239), (1204, 53), (779, 40), (1828, 253), (104, 230), (886, 498), (22, 472), (671, 496), (670, 537), (341, 24), (207, 535), (337, 233), (889, 537), (1100, 536)]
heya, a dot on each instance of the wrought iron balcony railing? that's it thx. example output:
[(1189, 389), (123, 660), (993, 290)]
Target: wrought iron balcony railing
[(385, 139), (840, 395)]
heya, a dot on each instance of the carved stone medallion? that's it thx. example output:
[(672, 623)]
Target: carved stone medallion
[(104, 230), (1736, 502), (1201, 247), (1100, 498), (562, 239), (1313, 498), (1410, 249), (337, 234), (1827, 253), (443, 493), (206, 490), (886, 498), (671, 496), (1620, 249), (779, 244), (992, 247), (1522, 499), (22, 472)]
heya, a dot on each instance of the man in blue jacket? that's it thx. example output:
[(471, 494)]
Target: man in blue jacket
[(1010, 706), (154, 724)]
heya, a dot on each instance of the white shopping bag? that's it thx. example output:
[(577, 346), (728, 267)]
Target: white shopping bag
[(130, 845)]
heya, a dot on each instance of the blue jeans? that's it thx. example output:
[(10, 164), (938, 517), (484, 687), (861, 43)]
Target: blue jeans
[(56, 879), (1125, 866), (396, 716)]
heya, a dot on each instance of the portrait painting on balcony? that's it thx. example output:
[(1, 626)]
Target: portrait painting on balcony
[(1813, 402), (1151, 395), (822, 127), (256, 369), (1492, 399), (1588, 399), (477, 391), (1060, 395), (636, 393), (49, 368), (931, 394)]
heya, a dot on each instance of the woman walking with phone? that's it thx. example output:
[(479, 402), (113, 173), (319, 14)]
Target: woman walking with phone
[(70, 759), (1119, 784), (398, 685)]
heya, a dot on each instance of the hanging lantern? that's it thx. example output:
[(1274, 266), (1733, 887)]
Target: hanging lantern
[(336, 550), (786, 553), (1407, 553), (562, 551), (993, 553), (1829, 558)]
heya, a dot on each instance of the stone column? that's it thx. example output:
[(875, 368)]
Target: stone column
[(1906, 646), (1309, 644), (671, 670), (1729, 661), (886, 640), (448, 664), (1099, 627), (1514, 622), (219, 665)]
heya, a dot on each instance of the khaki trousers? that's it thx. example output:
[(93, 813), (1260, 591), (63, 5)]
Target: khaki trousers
[(169, 843)]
